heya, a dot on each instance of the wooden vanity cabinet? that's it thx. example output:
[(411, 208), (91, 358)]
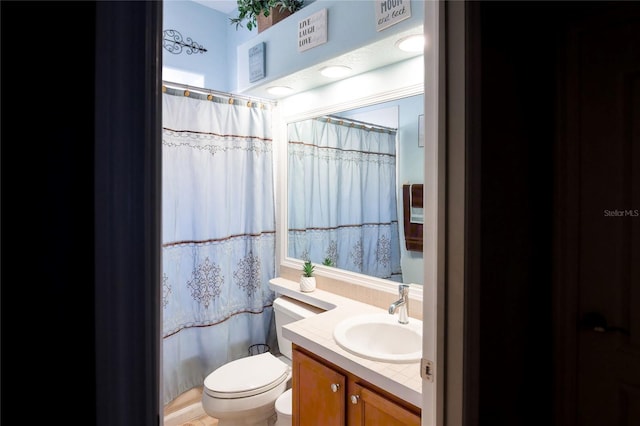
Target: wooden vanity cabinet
[(370, 408), (318, 392), (324, 394)]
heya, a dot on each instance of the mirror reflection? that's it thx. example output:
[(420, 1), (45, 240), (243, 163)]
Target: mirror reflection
[(346, 173)]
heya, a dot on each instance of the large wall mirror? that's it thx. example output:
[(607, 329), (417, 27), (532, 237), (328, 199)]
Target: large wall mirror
[(345, 201), (346, 152)]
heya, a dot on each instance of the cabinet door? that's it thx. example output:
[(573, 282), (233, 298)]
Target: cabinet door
[(318, 393), (367, 407)]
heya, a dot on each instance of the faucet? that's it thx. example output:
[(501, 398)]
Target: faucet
[(401, 304)]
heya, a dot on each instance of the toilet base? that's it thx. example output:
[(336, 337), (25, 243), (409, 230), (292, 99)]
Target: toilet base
[(255, 418), (283, 408), (258, 410), (282, 422)]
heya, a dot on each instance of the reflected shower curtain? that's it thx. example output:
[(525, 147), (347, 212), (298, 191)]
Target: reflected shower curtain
[(342, 196), (218, 233)]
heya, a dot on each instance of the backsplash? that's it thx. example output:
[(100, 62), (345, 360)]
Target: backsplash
[(378, 298)]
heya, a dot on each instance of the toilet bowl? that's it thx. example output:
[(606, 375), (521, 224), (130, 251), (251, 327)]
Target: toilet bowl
[(256, 390), (284, 408)]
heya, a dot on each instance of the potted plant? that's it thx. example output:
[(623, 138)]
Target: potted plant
[(307, 280), (327, 261), (262, 14)]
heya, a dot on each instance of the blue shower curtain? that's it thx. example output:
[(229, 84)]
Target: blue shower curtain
[(218, 233), (342, 202)]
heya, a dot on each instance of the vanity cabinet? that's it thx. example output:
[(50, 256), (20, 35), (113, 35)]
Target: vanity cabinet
[(324, 394)]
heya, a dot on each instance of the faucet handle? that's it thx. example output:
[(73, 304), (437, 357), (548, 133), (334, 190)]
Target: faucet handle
[(403, 289)]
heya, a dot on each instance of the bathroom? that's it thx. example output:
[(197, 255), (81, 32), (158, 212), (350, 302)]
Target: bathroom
[(96, 289), (399, 105)]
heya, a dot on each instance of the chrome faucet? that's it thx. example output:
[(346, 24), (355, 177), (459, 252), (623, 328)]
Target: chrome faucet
[(402, 304)]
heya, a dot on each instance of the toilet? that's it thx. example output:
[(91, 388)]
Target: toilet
[(256, 390), (284, 406)]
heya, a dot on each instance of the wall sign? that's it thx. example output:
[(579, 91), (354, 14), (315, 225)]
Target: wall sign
[(312, 31), (390, 12), (256, 62)]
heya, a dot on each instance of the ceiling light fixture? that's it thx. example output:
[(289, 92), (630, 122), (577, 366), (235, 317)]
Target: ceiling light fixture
[(280, 90), (412, 43), (335, 71)]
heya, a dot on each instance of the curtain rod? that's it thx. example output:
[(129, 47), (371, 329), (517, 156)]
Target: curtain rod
[(206, 91), (360, 123)]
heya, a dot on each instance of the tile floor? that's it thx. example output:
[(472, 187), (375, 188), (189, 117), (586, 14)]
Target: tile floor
[(186, 410)]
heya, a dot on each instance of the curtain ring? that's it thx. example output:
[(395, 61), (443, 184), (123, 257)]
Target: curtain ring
[(230, 100), (187, 93), (210, 97), (164, 89), (249, 104)]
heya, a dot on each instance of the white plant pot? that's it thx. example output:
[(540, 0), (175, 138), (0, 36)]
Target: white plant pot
[(307, 284)]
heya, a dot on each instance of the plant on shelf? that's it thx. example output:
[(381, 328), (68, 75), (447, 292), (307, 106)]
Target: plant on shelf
[(308, 268), (327, 261), (250, 10), (307, 280)]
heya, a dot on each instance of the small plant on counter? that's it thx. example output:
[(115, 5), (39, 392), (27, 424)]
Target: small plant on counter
[(308, 269), (327, 261), (249, 10), (307, 280)]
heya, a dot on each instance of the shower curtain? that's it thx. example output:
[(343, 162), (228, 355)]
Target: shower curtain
[(342, 196), (218, 233)]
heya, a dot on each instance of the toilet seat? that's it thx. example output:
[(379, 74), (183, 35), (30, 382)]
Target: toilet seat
[(246, 377)]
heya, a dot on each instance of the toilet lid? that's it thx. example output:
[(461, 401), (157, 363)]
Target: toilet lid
[(284, 404), (246, 376)]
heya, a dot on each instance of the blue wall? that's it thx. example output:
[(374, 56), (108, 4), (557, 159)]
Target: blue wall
[(351, 24), (214, 69)]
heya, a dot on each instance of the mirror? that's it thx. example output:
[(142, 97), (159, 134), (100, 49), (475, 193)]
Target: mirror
[(344, 189), (324, 198)]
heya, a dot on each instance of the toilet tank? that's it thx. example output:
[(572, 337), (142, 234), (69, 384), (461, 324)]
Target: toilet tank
[(289, 310)]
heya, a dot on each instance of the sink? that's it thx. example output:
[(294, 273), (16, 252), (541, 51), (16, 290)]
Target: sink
[(380, 337)]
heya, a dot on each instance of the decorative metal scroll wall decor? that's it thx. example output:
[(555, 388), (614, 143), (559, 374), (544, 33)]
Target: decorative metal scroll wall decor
[(174, 43)]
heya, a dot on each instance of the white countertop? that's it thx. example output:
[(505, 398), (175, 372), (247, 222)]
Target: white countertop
[(316, 335)]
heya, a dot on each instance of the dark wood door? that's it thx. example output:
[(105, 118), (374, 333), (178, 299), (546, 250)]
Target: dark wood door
[(598, 229)]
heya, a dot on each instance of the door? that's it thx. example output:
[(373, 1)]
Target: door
[(318, 393), (368, 408), (597, 285)]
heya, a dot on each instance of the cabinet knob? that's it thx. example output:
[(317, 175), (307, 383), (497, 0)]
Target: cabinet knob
[(335, 387), (355, 399)]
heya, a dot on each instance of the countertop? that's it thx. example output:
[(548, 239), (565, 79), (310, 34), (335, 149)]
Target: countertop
[(316, 335)]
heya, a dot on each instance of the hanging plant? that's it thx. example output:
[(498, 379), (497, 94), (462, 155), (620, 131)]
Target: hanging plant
[(249, 10)]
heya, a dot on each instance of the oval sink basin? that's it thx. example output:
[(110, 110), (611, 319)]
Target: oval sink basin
[(380, 337)]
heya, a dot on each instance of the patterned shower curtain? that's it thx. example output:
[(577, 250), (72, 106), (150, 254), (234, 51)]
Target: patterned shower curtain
[(342, 196), (218, 233)]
